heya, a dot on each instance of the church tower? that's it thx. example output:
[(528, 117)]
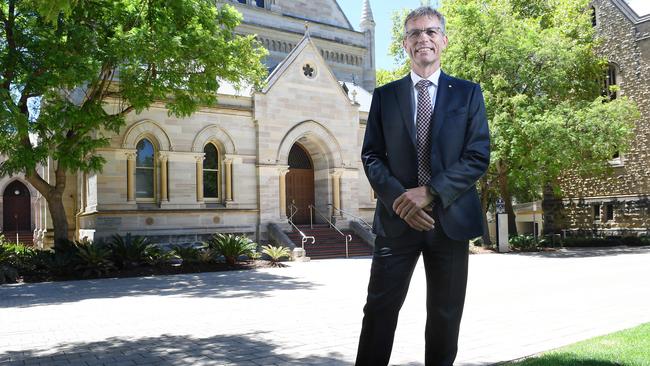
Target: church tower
[(367, 26)]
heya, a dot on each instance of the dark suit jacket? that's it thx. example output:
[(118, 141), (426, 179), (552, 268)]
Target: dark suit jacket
[(460, 154)]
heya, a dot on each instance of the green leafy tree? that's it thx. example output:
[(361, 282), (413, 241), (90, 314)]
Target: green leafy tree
[(541, 77), (70, 71)]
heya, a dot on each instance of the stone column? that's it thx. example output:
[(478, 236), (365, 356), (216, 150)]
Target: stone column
[(283, 191), (130, 176), (228, 166), (84, 193), (162, 158), (199, 178), (336, 192)]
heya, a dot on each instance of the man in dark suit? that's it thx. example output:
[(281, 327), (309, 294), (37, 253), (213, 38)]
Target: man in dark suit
[(426, 145)]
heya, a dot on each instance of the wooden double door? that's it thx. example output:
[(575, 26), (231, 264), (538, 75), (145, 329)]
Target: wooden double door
[(16, 208), (300, 184)]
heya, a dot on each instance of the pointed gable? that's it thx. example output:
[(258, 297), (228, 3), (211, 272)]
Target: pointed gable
[(305, 66), (321, 11)]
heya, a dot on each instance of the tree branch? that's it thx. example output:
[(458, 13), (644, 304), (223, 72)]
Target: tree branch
[(126, 111), (38, 182), (98, 85), (8, 74)]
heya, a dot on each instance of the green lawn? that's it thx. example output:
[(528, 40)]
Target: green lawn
[(629, 347)]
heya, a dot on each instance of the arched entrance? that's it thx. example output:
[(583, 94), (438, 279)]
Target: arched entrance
[(16, 210), (300, 183)]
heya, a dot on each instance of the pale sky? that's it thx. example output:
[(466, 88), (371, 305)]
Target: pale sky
[(641, 7), (381, 11)]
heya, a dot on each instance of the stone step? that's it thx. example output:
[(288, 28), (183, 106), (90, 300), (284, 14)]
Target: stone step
[(329, 243), (24, 237)]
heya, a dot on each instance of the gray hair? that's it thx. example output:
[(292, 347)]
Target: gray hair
[(426, 11)]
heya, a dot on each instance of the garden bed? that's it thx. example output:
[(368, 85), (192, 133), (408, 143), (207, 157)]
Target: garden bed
[(152, 271), (132, 257)]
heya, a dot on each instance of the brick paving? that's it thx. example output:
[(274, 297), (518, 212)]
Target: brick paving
[(310, 313)]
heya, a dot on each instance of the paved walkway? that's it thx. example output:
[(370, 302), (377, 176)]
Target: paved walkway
[(310, 313)]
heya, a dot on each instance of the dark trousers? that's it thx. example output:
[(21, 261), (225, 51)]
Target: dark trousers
[(445, 263)]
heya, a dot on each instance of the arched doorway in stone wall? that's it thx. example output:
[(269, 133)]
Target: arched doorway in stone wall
[(300, 183), (16, 208)]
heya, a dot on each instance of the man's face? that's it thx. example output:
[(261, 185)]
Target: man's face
[(424, 42)]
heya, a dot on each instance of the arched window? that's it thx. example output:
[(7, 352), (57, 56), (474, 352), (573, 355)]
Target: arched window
[(145, 170), (211, 181)]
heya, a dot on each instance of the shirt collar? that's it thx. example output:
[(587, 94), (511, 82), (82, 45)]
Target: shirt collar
[(432, 78)]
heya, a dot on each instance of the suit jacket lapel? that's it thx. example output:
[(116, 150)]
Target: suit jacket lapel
[(405, 104), (440, 109)]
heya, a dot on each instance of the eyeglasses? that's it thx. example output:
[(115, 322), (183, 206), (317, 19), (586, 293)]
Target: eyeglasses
[(431, 32)]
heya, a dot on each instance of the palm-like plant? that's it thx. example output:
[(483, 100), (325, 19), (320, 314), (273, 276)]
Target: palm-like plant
[(232, 246), (129, 251), (276, 254), (187, 253), (93, 259)]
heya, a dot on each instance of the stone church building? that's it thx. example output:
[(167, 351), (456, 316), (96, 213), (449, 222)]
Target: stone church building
[(245, 163), (616, 203)]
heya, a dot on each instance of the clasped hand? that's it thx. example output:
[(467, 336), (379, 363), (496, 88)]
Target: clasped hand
[(410, 207)]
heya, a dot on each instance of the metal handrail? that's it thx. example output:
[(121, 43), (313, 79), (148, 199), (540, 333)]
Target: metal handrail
[(293, 210), (347, 237), (351, 215)]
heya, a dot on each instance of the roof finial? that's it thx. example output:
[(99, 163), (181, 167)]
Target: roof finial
[(307, 28), (366, 15)]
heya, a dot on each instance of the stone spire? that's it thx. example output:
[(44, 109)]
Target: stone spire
[(367, 19), (367, 26)]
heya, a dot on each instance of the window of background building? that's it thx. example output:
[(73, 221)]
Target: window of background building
[(596, 212), (259, 3), (609, 212), (610, 80), (144, 170), (593, 16), (211, 172)]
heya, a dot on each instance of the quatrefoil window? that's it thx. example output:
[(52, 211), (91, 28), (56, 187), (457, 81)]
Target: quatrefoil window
[(309, 71)]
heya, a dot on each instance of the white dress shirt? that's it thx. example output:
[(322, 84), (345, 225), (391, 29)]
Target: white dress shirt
[(433, 89)]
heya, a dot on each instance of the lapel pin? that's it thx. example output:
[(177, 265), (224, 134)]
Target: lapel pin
[(450, 86)]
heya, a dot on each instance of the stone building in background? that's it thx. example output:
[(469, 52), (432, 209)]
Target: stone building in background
[(616, 203), (243, 164)]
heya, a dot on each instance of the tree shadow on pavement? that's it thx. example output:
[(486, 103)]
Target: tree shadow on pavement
[(240, 284), (587, 252), (244, 349)]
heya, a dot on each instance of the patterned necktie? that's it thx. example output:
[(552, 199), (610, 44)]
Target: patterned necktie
[(423, 122)]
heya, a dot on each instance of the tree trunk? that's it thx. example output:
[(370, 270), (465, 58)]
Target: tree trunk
[(553, 211), (504, 191), (485, 204), (59, 219), (54, 197)]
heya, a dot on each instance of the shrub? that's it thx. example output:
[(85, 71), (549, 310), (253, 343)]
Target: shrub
[(635, 241), (522, 242), (128, 252), (155, 255), (62, 260), (581, 241), (276, 254), (206, 255), (188, 254), (93, 259), (232, 246), (15, 260)]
